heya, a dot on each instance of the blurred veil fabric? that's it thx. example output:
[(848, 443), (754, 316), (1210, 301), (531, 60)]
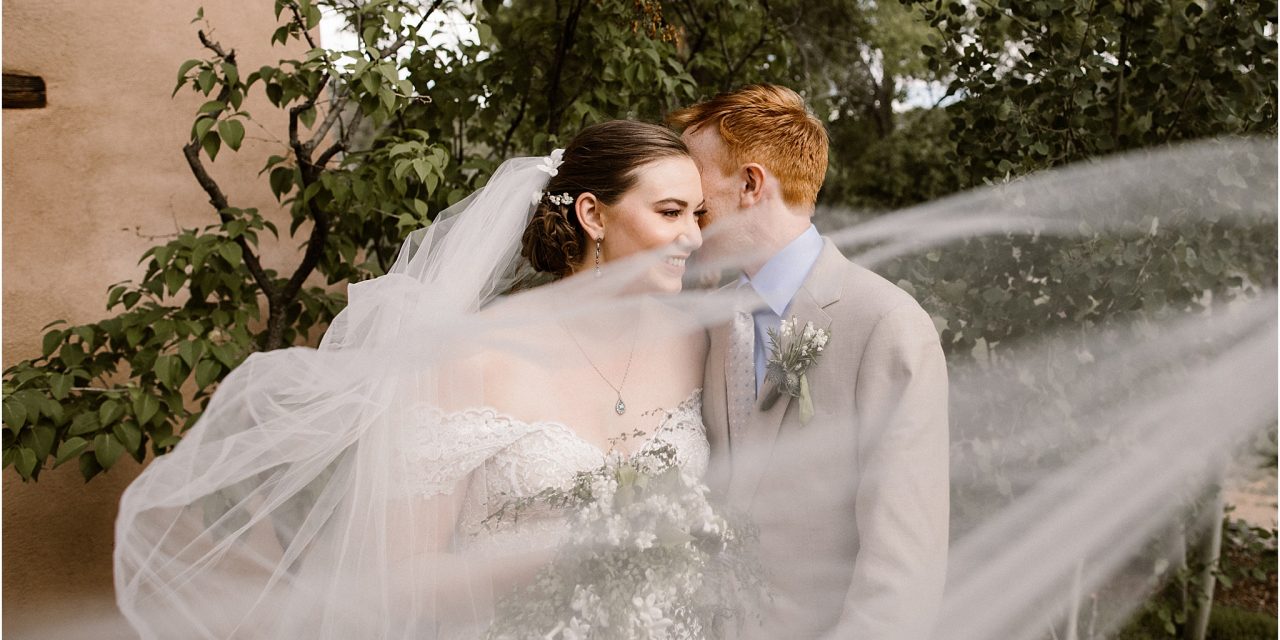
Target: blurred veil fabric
[(297, 508), (319, 494)]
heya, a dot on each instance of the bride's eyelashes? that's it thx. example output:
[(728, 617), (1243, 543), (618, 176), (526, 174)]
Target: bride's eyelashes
[(676, 213)]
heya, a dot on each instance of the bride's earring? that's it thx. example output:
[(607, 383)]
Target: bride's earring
[(598, 255)]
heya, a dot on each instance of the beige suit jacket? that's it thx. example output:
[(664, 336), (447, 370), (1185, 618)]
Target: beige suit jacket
[(853, 507)]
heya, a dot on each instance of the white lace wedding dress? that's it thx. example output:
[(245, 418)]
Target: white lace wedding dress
[(508, 459)]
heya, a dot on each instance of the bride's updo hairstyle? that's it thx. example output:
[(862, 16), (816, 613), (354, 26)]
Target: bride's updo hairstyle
[(603, 160)]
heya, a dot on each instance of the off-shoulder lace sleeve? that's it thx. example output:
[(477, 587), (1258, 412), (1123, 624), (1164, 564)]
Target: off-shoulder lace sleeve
[(441, 448)]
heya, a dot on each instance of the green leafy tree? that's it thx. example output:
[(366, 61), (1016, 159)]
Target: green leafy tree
[(1041, 83), (133, 381), (1038, 84)]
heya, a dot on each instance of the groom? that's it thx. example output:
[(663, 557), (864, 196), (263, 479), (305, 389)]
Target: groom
[(851, 497)]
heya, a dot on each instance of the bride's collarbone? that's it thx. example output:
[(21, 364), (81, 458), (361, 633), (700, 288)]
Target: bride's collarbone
[(545, 377), (655, 375), (587, 408)]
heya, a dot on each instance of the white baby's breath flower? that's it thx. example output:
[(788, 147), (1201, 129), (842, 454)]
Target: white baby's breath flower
[(584, 599), (645, 540), (555, 631), (786, 328), (650, 615), (576, 630), (619, 515)]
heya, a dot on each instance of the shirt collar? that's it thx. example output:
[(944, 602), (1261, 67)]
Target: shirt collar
[(781, 277)]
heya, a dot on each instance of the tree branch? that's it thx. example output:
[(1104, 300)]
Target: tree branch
[(689, 20), (339, 103), (1084, 37), (300, 151), (724, 47), (554, 111), (217, 198), (297, 18), (219, 201), (327, 155), (215, 47), (1027, 26), (279, 299), (764, 35), (395, 46), (315, 250), (1123, 60), (1182, 106), (515, 123)]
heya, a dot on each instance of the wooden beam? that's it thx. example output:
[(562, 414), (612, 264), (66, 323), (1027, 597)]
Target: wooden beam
[(23, 91)]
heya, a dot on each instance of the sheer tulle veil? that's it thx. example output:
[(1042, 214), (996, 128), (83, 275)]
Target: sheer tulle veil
[(290, 492), (292, 510)]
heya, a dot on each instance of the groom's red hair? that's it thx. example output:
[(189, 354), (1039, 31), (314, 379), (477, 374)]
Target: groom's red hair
[(768, 124)]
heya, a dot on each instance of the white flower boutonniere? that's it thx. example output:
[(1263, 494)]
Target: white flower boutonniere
[(791, 352)]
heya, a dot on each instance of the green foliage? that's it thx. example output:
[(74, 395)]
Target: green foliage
[(1248, 556), (1229, 623), (1040, 83), (59, 406), (133, 382), (903, 168), (1034, 85)]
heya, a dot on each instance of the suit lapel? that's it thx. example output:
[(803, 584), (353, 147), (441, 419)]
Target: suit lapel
[(716, 381), (820, 290)]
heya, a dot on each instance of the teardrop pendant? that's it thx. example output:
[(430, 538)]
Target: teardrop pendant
[(621, 407)]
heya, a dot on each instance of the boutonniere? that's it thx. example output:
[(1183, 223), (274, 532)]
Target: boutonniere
[(791, 352)]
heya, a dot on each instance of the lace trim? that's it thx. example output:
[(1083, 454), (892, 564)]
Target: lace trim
[(442, 447)]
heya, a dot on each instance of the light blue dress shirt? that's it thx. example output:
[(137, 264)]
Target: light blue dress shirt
[(777, 283)]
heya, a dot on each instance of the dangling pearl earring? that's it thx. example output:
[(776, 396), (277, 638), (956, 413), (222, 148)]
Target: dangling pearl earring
[(598, 274)]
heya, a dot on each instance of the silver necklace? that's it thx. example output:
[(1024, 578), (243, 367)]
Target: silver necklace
[(620, 407)]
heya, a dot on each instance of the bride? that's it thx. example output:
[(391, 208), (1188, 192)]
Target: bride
[(343, 492)]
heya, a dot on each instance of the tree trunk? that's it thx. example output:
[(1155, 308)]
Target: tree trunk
[(884, 105)]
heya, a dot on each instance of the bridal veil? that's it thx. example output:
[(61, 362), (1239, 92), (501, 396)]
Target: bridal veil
[(294, 508)]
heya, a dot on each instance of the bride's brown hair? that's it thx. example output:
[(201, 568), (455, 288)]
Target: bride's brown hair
[(603, 160)]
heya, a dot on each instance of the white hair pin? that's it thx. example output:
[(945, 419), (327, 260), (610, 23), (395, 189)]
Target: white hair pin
[(551, 164)]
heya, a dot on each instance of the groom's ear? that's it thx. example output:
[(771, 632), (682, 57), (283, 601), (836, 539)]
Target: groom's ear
[(590, 215), (753, 184)]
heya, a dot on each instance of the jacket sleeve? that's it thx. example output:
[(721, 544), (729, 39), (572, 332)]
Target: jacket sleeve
[(902, 501)]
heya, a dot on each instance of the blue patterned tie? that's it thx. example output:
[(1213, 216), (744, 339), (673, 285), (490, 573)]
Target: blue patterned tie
[(740, 371)]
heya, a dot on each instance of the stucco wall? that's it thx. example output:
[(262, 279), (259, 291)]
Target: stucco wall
[(87, 182)]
